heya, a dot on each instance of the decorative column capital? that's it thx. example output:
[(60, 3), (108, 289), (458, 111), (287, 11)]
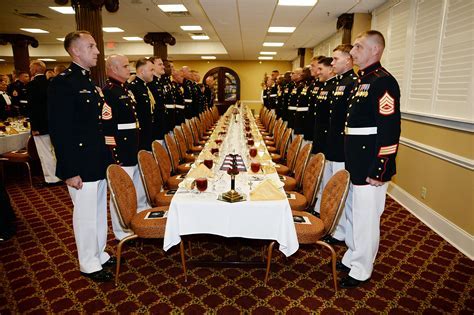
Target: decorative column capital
[(18, 40), (159, 38), (345, 21)]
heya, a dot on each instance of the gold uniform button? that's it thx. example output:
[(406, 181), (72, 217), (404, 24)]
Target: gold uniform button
[(381, 160), (88, 101), (125, 138), (80, 144), (363, 147), (380, 168)]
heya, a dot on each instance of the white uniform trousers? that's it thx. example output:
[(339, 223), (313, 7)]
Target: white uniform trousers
[(142, 203), (89, 220), (331, 168), (363, 229), (47, 158)]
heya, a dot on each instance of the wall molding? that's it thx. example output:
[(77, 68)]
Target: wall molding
[(438, 121), (441, 154), (453, 234)]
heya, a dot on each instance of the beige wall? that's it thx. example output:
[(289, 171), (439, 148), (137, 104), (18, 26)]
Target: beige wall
[(361, 24), (449, 187)]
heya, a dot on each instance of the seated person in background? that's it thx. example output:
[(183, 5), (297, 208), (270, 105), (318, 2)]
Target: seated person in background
[(5, 100)]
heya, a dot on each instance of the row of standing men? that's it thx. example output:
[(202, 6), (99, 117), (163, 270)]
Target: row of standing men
[(354, 119), (91, 128)]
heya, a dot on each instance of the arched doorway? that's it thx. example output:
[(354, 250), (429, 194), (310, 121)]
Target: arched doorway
[(226, 86)]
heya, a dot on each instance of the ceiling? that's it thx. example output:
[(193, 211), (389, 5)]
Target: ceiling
[(237, 28)]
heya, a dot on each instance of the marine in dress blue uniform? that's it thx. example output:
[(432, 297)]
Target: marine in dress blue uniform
[(75, 125), (121, 130), (371, 143)]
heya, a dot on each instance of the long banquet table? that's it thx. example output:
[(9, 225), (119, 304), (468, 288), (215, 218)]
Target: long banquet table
[(192, 212)]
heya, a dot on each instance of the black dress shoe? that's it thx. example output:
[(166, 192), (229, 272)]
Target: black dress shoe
[(349, 282), (341, 267), (99, 276), (331, 240), (112, 262)]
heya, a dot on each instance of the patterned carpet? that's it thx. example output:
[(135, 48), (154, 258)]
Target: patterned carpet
[(416, 271)]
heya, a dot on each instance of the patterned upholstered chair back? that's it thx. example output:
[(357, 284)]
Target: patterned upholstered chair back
[(312, 178), (285, 140), (122, 193), (163, 160), (150, 173), (181, 142), (333, 199), (173, 152), (292, 153), (301, 161)]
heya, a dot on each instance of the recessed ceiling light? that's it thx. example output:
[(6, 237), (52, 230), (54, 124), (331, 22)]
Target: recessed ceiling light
[(112, 29), (200, 37), (132, 38), (63, 10), (61, 39), (172, 8), (268, 53), (191, 28), (273, 44), (34, 30), (281, 29), (208, 57), (265, 58), (298, 3), (46, 59)]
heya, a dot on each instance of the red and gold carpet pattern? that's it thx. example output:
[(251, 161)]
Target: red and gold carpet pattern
[(416, 271)]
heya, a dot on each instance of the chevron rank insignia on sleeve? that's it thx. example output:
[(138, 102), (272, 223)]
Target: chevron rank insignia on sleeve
[(387, 150), (386, 105), (106, 112)]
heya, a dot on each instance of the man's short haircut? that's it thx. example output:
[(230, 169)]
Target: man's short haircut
[(141, 62), (375, 35), (317, 58), (326, 61), (20, 72), (72, 37), (276, 71), (345, 48), (39, 64)]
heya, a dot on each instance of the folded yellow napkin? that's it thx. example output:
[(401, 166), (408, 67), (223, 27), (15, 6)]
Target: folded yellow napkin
[(11, 131), (187, 183), (206, 155), (268, 169), (213, 145), (265, 156), (267, 190), (200, 172)]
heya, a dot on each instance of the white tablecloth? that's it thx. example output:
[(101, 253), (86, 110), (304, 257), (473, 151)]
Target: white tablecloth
[(201, 213), (13, 142)]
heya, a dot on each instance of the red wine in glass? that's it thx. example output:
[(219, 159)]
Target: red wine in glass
[(201, 184), (250, 142), (208, 163), (253, 152), (214, 150), (255, 167)]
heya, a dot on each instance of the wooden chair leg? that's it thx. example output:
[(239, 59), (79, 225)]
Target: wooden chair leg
[(183, 261), (333, 261), (119, 254), (269, 259), (29, 173)]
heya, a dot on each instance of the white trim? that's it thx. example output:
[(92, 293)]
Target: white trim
[(453, 234), (251, 101), (439, 121), (441, 154)]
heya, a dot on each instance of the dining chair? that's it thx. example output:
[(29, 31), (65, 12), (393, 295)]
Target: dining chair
[(270, 139), (24, 156), (162, 158), (124, 197), (178, 167), (295, 181), (289, 166), (152, 181), (188, 137), (182, 148), (282, 148), (332, 205), (306, 199)]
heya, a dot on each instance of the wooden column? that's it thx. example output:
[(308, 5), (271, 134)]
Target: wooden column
[(301, 53), (89, 18), (21, 55), (159, 40), (345, 21)]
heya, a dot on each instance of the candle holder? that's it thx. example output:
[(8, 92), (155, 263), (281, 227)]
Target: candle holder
[(232, 195)]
